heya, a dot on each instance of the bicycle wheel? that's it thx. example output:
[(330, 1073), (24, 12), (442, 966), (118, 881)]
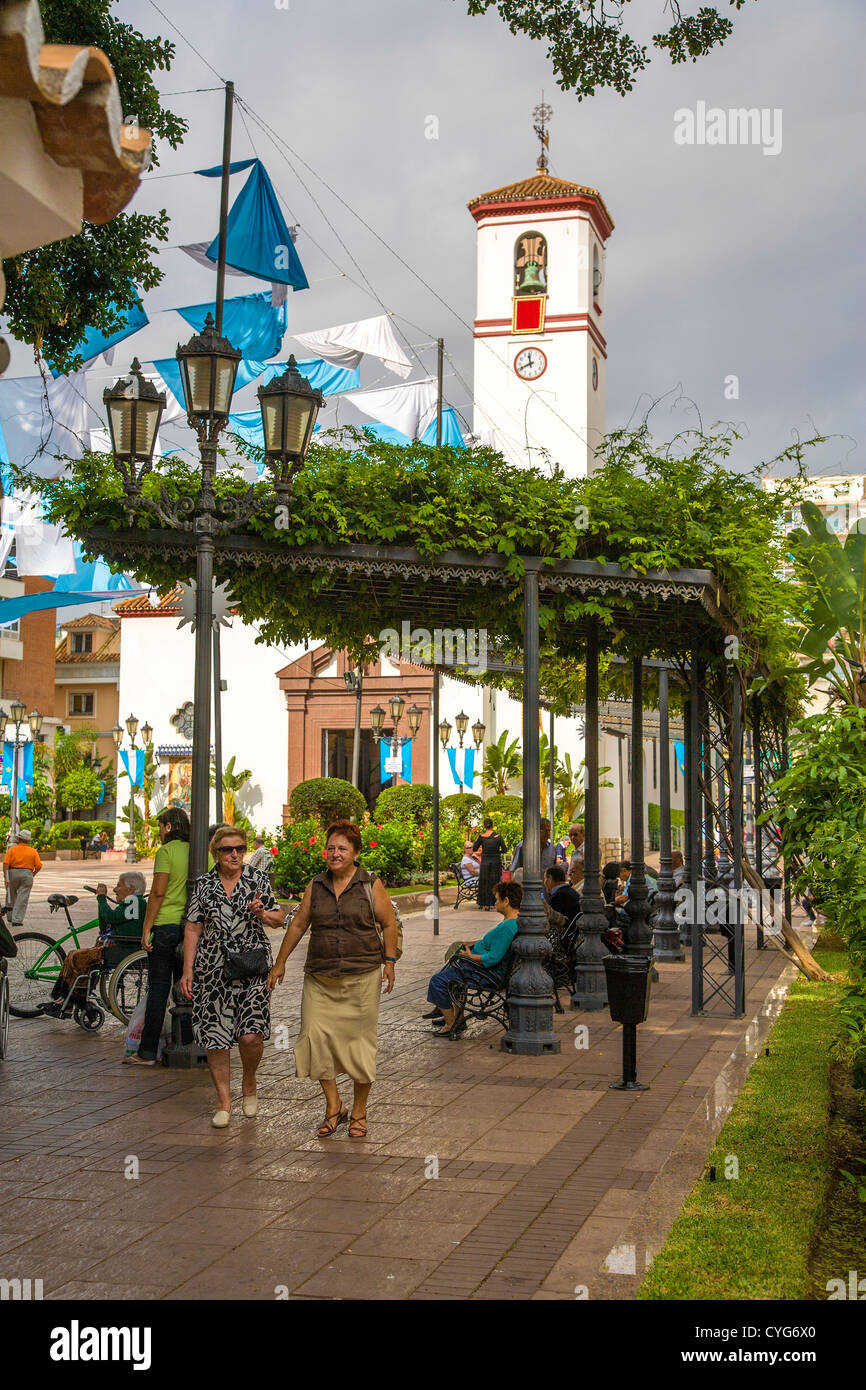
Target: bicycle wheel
[(4, 1015), (128, 985), (33, 972)]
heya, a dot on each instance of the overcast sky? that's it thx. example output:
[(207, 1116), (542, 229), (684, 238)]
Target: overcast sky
[(724, 261)]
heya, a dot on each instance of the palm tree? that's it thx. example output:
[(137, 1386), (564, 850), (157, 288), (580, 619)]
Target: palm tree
[(502, 763), (232, 783), (832, 605), (571, 787)]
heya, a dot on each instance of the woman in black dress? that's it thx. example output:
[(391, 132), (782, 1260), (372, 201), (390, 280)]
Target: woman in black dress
[(492, 849)]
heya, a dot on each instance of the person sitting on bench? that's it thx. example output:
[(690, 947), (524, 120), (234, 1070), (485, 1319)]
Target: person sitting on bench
[(469, 864), (490, 953), (560, 894), (116, 924)]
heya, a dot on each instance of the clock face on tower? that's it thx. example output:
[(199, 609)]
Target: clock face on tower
[(530, 363)]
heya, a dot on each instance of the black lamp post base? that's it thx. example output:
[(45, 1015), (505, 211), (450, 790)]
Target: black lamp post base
[(589, 996), (627, 1086), (669, 953), (530, 1044)]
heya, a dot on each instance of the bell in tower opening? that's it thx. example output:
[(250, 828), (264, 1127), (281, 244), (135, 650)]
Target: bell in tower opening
[(530, 264)]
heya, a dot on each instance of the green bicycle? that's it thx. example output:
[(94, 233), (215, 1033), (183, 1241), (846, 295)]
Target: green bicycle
[(122, 974)]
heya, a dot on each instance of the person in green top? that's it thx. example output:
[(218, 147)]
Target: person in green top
[(120, 923), (491, 953), (163, 927)]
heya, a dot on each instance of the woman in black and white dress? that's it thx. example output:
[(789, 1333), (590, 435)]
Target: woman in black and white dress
[(228, 910)]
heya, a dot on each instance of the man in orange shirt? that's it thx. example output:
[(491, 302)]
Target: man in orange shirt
[(20, 866)]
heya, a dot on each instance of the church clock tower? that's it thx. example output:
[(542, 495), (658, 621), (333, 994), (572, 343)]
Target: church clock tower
[(540, 349)]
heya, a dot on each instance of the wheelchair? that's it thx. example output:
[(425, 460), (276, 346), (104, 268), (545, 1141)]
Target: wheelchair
[(116, 984)]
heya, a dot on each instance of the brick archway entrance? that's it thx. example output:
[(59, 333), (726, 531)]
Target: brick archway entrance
[(321, 715)]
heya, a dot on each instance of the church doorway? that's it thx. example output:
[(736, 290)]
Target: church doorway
[(337, 748)]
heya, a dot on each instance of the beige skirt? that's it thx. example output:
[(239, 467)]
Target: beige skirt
[(339, 1026)]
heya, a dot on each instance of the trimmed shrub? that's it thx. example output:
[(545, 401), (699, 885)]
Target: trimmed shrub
[(465, 809), (327, 799), (405, 803), (451, 838), (502, 805)]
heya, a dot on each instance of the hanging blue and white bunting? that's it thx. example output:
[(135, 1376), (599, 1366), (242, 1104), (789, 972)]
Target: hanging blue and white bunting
[(258, 241), (250, 322)]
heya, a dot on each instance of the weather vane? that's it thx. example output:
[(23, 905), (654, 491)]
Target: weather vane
[(541, 116)]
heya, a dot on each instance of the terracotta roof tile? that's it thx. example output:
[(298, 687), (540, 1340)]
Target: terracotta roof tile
[(76, 102), (140, 605), (539, 185)]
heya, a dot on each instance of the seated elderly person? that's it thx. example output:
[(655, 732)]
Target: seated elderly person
[(115, 924), (491, 953), (561, 896), (469, 864)]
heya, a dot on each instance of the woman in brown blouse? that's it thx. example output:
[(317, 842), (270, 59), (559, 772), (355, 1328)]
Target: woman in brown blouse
[(340, 1001)]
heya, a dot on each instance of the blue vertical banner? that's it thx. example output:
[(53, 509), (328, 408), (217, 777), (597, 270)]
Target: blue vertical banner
[(680, 755), (136, 777), (25, 771), (6, 774), (468, 768), (406, 762), (452, 762)]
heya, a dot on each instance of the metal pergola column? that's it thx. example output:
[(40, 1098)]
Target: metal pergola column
[(530, 989), (590, 980), (666, 937)]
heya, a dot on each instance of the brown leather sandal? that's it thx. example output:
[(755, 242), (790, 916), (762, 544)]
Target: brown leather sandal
[(358, 1122), (330, 1123)]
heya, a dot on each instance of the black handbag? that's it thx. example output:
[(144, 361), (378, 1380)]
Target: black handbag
[(246, 965)]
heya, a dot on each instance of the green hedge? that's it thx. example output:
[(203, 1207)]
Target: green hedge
[(503, 805), (64, 830), (327, 799), (405, 803)]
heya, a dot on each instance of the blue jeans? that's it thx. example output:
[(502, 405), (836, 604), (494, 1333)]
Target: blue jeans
[(163, 969), (437, 990)]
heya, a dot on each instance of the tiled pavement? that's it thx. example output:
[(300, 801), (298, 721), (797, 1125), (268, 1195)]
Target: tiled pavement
[(484, 1175)]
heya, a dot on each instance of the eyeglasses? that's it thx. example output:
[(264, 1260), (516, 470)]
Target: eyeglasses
[(230, 849)]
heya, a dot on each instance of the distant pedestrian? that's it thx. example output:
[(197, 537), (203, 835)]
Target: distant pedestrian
[(20, 867), (492, 847), (162, 931), (260, 859)]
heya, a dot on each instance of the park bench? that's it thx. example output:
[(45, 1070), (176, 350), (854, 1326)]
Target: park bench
[(481, 994), (466, 892)]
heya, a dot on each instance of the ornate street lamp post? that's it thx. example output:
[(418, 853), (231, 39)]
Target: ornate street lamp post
[(208, 367), (355, 682), (461, 720), (396, 704), (16, 716), (117, 735)]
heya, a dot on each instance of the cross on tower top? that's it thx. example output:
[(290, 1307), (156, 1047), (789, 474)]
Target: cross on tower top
[(541, 116)]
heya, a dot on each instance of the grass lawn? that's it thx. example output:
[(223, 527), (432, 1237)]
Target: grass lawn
[(750, 1237)]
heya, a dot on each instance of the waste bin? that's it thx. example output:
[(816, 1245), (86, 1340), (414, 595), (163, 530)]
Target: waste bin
[(629, 980)]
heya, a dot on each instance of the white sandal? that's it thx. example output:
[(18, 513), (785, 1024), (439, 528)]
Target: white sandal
[(251, 1106), (220, 1119)]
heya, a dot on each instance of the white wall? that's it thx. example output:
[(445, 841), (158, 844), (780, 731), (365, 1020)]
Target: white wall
[(156, 678)]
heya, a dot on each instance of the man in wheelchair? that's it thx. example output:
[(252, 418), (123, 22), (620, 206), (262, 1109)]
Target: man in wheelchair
[(116, 925)]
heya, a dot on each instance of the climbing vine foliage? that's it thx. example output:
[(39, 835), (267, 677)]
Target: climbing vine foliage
[(644, 507)]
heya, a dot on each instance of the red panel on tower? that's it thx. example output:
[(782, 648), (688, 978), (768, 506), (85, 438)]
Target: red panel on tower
[(528, 313)]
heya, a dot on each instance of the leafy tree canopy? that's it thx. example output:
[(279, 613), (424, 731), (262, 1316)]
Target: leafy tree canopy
[(645, 506), (590, 47), (56, 292)]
